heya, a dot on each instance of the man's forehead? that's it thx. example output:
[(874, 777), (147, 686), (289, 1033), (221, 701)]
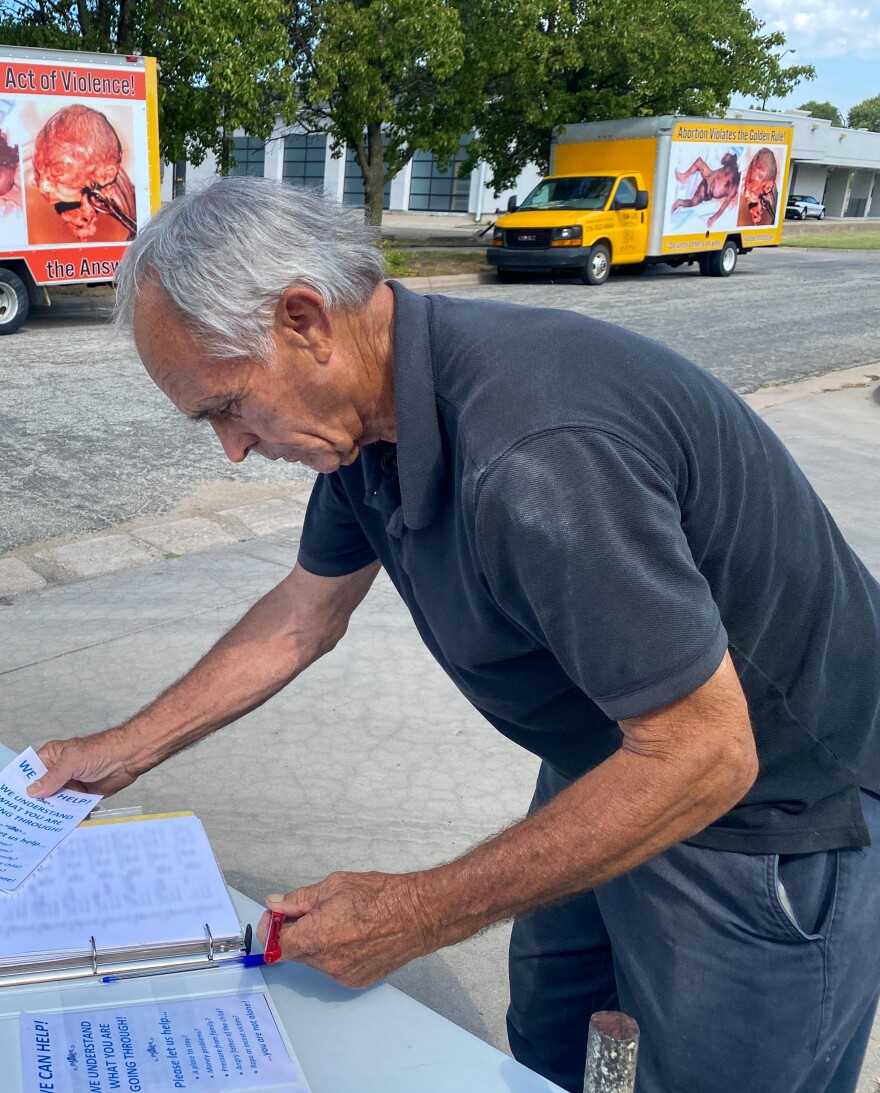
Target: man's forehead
[(156, 320), (167, 350)]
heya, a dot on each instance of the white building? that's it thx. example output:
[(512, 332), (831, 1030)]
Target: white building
[(305, 159), (840, 167)]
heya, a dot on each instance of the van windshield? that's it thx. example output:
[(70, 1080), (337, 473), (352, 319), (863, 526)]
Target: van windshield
[(582, 192)]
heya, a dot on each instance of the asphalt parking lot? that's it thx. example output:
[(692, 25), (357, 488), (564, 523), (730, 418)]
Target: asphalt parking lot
[(783, 315), (88, 443)]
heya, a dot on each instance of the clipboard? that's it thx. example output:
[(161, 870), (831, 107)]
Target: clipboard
[(104, 948)]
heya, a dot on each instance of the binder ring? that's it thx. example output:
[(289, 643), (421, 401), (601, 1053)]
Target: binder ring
[(94, 956), (210, 943)]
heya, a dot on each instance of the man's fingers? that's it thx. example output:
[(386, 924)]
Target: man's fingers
[(294, 904), (263, 929), (53, 780)]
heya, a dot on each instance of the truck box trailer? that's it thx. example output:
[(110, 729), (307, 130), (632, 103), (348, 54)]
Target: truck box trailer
[(79, 169), (648, 190)]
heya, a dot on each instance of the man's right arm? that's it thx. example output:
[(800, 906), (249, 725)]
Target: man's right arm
[(302, 618)]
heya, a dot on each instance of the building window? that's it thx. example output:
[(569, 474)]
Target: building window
[(250, 155), (178, 181), (353, 193), (433, 190), (304, 157)]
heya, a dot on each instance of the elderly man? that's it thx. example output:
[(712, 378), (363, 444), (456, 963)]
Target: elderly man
[(622, 568)]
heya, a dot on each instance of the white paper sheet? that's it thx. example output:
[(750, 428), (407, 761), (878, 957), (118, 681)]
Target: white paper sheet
[(31, 827), (132, 884), (230, 1042)]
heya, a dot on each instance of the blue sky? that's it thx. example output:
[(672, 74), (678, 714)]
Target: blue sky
[(840, 39)]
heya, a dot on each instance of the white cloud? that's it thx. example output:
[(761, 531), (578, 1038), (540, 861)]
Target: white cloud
[(823, 28)]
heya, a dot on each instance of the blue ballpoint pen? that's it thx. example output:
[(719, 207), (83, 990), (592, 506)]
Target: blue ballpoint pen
[(248, 960)]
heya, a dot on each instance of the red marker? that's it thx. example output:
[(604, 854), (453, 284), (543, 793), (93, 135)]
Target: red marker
[(272, 952)]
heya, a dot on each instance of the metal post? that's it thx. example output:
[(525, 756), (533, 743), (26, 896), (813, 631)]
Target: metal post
[(612, 1050), (481, 190)]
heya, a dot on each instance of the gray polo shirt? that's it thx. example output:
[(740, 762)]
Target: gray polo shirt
[(581, 522)]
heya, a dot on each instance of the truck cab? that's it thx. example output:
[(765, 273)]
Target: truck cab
[(584, 222)]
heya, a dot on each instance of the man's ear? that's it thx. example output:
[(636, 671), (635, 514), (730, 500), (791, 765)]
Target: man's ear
[(303, 321)]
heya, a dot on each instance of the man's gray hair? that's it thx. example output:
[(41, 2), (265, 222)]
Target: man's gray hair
[(225, 254)]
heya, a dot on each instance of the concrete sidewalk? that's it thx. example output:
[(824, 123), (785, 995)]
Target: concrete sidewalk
[(372, 760)]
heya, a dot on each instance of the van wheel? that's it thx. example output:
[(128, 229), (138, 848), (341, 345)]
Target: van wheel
[(598, 266), (723, 262), (14, 302)]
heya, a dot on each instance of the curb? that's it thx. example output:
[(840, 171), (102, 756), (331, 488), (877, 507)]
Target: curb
[(448, 280), (767, 398), (189, 529)]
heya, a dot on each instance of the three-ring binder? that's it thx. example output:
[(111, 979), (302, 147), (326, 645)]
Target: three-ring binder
[(93, 962), (79, 954)]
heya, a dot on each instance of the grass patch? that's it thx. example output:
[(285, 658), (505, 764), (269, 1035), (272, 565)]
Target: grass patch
[(437, 263), (396, 263), (856, 240)]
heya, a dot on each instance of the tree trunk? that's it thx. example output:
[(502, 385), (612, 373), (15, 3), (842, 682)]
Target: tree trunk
[(125, 27), (373, 170), (83, 17)]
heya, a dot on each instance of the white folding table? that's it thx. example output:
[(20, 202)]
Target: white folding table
[(373, 1041)]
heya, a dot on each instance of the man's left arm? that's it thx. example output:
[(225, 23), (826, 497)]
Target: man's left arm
[(679, 768)]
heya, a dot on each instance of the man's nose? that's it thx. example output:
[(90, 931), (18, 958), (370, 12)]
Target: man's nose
[(236, 442)]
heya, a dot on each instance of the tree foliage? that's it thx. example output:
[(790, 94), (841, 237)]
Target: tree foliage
[(866, 115), (825, 110), (548, 63), (390, 77), (382, 76), (223, 64)]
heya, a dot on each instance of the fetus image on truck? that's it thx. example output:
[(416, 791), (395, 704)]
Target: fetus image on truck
[(13, 232), (720, 185), (77, 168), (8, 169), (759, 200)]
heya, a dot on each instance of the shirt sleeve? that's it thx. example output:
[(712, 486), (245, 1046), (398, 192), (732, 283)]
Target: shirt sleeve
[(333, 543), (581, 540)]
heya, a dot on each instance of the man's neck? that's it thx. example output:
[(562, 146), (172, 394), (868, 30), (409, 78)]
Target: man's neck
[(368, 337)]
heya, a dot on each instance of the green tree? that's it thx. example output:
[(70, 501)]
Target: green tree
[(824, 110), (866, 115), (548, 63), (382, 77), (223, 64)]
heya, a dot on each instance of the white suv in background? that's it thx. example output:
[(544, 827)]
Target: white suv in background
[(800, 207)]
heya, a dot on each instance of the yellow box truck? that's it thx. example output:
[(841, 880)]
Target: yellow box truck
[(642, 191)]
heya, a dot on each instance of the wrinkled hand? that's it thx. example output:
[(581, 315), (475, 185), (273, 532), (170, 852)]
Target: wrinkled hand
[(355, 927), (91, 764)]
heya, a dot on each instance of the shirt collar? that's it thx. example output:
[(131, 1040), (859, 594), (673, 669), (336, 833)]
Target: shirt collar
[(420, 464)]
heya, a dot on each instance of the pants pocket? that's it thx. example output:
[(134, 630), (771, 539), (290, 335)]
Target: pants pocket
[(804, 890)]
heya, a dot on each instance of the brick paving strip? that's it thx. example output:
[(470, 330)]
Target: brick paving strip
[(137, 543), (33, 567)]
